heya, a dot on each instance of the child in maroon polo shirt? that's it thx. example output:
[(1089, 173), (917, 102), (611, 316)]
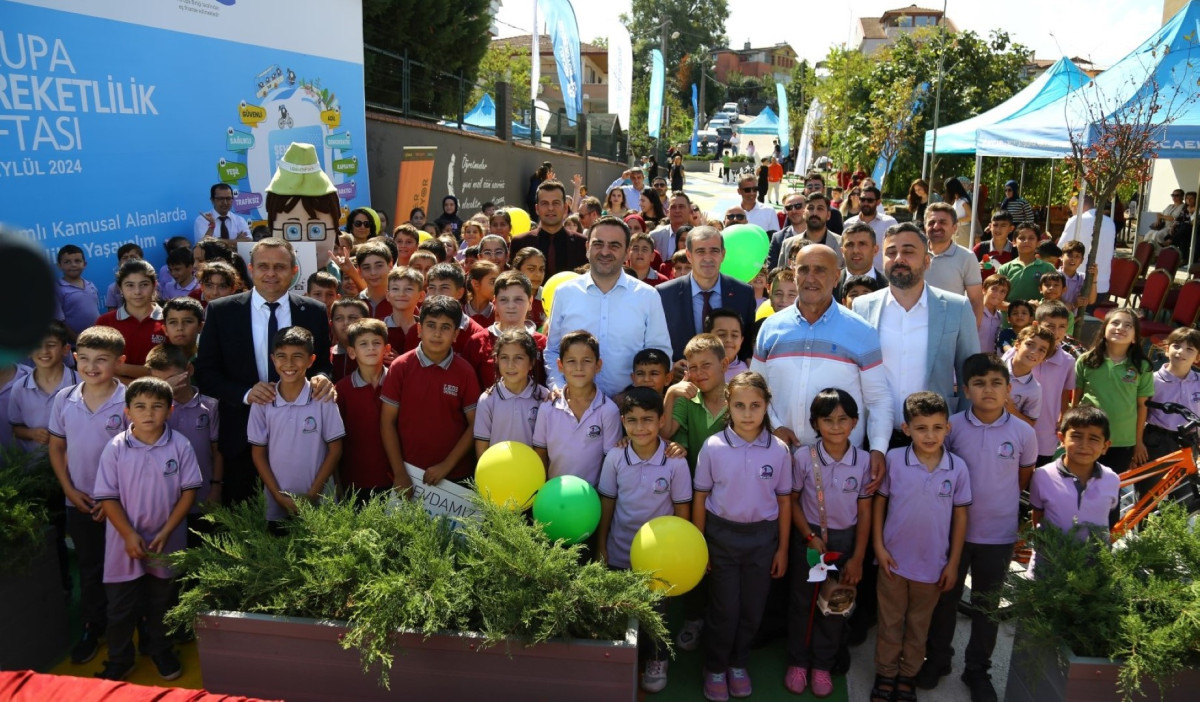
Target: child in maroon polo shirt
[(364, 464), (405, 292), (139, 319), (346, 311), (429, 399)]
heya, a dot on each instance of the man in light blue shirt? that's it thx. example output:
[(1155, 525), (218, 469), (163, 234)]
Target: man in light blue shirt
[(624, 314)]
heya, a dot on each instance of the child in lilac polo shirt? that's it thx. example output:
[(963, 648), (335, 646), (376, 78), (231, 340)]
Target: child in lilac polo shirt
[(575, 430), (31, 399), (638, 483), (83, 419), (845, 472), (743, 486), (508, 410), (146, 482), (995, 290), (1056, 376), (1075, 490), (918, 526), (78, 297), (1029, 350), (296, 443), (195, 417), (1003, 451), (1174, 382)]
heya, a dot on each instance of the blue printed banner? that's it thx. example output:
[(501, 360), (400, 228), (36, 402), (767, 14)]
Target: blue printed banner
[(564, 35), (654, 118), (137, 129)]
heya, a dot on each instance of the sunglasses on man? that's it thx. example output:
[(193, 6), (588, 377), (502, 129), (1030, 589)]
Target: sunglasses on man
[(736, 217)]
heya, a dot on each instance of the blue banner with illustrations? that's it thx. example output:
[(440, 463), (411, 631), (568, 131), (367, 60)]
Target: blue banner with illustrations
[(119, 116), (564, 35), (654, 114)]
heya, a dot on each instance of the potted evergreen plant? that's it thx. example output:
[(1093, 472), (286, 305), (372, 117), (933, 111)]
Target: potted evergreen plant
[(33, 605), (490, 606), (1095, 623)]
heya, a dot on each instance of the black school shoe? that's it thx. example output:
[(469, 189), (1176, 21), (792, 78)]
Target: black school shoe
[(169, 667), (115, 671), (86, 648), (980, 684), (928, 677)]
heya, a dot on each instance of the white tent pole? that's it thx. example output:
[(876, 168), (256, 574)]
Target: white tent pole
[(975, 198), (925, 166), (1022, 175), (1079, 212), (1192, 249)]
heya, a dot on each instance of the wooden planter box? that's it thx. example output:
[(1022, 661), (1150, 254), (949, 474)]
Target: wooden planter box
[(699, 166), (1037, 675), (33, 609), (302, 659)]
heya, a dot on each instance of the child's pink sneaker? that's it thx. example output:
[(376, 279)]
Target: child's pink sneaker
[(716, 689), (796, 680), (822, 683), (739, 682)]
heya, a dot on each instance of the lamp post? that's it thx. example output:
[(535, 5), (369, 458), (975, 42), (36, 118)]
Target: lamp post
[(937, 100), (663, 123)]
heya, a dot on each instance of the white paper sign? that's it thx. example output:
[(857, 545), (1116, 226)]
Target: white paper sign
[(306, 257), (444, 498)]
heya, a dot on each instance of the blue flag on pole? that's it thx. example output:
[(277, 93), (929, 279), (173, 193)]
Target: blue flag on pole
[(654, 116), (564, 35), (784, 127), (695, 122), (884, 165)]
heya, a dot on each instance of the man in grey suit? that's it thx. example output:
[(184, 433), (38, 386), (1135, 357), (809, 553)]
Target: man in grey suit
[(925, 333)]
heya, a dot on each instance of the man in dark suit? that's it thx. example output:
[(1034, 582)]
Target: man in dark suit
[(858, 251), (233, 362), (563, 250), (685, 300)]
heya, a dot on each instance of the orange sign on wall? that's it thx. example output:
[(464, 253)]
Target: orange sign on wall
[(416, 177)]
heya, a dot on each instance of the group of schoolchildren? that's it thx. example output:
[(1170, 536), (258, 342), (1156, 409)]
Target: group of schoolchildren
[(433, 364)]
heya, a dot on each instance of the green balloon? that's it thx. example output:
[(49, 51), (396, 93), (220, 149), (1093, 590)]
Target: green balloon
[(746, 248), (567, 508)]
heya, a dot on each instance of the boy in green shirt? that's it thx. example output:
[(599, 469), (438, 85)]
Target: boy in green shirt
[(1024, 272), (726, 163), (695, 408)]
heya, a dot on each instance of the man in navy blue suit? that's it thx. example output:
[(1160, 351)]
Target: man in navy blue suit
[(686, 300)]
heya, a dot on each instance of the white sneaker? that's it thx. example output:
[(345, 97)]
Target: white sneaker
[(689, 636), (654, 677)]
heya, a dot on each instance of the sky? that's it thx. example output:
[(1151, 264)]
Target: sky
[(1102, 31)]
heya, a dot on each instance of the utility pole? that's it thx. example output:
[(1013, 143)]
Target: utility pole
[(937, 100)]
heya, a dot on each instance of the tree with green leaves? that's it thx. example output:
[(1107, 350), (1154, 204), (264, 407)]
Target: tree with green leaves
[(978, 74), (503, 62), (447, 39), (701, 28)]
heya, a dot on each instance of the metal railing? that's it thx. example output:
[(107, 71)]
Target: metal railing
[(400, 85)]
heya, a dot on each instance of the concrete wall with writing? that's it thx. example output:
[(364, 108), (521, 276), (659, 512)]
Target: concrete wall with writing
[(475, 169)]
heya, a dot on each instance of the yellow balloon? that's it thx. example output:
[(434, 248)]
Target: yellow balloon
[(764, 310), (423, 235), (674, 550), (521, 222), (510, 473), (551, 285)]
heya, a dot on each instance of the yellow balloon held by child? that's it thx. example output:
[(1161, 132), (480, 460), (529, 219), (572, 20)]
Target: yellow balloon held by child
[(521, 222), (510, 472), (674, 550), (764, 310)]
